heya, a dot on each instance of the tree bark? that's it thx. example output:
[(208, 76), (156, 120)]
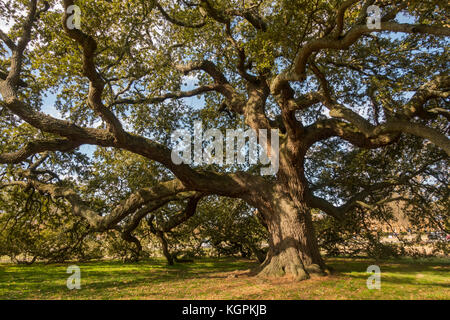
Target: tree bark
[(136, 253), (165, 247), (293, 248)]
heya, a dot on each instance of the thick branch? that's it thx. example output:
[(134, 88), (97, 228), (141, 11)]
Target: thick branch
[(96, 84), (155, 196), (298, 70), (183, 216), (325, 129), (38, 146)]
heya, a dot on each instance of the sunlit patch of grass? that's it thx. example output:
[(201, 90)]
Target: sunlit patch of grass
[(216, 279)]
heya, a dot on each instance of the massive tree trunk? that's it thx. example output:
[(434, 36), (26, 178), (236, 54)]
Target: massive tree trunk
[(293, 248)]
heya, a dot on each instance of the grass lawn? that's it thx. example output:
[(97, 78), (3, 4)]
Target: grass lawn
[(225, 279)]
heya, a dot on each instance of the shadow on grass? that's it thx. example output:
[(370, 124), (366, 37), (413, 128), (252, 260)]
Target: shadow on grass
[(114, 279), (398, 272), (99, 277)]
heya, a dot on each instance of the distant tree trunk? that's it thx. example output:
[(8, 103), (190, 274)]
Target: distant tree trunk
[(172, 223), (165, 247), (136, 253), (260, 254)]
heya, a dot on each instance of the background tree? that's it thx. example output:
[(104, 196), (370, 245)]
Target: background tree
[(312, 69), (35, 227), (226, 226)]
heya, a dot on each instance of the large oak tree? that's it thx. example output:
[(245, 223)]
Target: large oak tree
[(315, 70)]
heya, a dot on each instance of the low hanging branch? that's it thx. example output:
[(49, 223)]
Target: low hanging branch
[(173, 222)]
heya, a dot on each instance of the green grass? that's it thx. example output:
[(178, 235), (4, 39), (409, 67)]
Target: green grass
[(225, 279)]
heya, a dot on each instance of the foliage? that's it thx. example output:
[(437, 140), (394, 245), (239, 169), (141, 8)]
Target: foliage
[(227, 226), (42, 229)]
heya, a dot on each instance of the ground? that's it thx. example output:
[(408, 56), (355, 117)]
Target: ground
[(225, 279)]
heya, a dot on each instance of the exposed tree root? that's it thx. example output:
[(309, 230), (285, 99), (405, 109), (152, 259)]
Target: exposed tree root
[(289, 263)]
